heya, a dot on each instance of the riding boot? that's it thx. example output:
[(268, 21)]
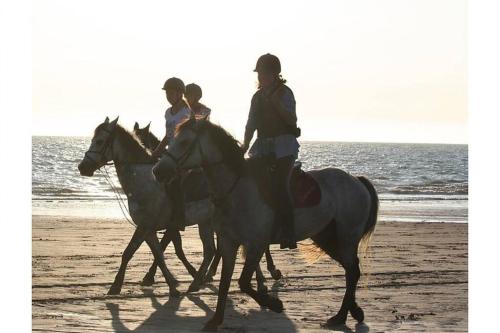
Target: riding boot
[(178, 210), (284, 203), (287, 230)]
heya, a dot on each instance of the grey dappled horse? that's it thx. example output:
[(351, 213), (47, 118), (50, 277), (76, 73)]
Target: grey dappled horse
[(149, 205), (150, 141), (346, 213)]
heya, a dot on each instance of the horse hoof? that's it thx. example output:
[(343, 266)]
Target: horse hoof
[(114, 290), (147, 281), (358, 314), (275, 304), (335, 321), (276, 274), (174, 293)]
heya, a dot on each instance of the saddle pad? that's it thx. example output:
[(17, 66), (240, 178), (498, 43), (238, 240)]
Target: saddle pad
[(305, 190)]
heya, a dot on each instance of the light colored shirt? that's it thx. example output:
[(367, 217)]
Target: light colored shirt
[(281, 145), (172, 120)]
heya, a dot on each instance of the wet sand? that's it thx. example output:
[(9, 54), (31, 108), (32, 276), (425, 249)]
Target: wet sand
[(415, 279)]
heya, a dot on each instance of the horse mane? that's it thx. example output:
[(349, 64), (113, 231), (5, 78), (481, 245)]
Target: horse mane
[(153, 138), (130, 142), (227, 144)]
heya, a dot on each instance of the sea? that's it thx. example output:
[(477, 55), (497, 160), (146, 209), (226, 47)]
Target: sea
[(415, 182)]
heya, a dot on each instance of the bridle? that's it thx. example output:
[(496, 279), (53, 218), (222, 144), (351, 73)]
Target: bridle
[(205, 165), (106, 145)]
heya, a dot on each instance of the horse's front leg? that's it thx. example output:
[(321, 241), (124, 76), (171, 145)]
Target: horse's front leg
[(155, 247), (133, 245), (207, 239), (252, 260), (228, 251), (149, 278)]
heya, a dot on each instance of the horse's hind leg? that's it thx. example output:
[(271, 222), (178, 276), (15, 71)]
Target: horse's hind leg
[(352, 274), (275, 273), (176, 239), (155, 247), (252, 261), (261, 286), (132, 246), (207, 239), (215, 262), (149, 278)]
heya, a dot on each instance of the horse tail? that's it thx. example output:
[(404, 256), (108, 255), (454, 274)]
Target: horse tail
[(326, 241), (372, 216)]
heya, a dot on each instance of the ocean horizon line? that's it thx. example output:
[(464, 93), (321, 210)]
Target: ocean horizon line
[(300, 141)]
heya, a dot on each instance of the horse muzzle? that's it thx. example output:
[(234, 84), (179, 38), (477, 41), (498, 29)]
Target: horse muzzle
[(86, 168)]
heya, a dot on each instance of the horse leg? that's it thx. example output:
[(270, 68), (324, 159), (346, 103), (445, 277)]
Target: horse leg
[(275, 273), (180, 252), (155, 247), (215, 262), (261, 287), (352, 274), (252, 260), (149, 278), (228, 250), (133, 245), (207, 239)]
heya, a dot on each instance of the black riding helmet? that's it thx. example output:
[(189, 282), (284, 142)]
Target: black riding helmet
[(268, 63), (174, 83), (194, 90)]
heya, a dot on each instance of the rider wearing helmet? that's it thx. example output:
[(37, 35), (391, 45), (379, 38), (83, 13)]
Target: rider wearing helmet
[(174, 115), (193, 95), (272, 115)]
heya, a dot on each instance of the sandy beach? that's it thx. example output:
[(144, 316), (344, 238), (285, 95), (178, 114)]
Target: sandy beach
[(415, 279)]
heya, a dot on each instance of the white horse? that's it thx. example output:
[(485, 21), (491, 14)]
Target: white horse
[(346, 213), (149, 205)]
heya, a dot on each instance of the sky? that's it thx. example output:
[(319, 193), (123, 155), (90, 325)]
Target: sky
[(363, 71)]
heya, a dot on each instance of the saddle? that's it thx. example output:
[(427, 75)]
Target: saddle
[(304, 189)]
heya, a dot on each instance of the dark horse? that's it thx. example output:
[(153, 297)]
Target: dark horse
[(345, 215), (150, 141)]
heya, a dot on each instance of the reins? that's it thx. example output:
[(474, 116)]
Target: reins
[(121, 203)]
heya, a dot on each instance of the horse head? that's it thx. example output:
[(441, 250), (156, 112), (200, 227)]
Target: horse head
[(100, 151), (199, 143), (186, 150)]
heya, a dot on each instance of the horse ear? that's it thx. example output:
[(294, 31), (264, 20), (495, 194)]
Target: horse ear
[(147, 127), (113, 123), (136, 126), (106, 121)]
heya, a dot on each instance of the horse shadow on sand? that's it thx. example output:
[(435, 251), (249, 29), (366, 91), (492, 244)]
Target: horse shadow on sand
[(165, 319)]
